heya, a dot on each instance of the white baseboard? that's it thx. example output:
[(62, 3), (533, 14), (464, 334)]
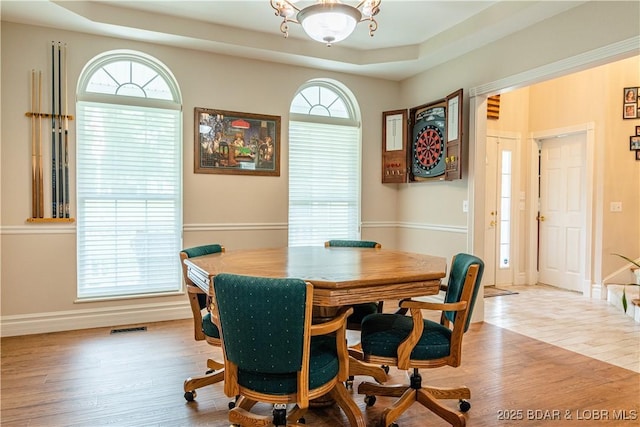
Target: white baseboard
[(92, 318)]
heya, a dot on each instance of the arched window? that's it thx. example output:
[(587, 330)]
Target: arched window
[(128, 179), (324, 165)]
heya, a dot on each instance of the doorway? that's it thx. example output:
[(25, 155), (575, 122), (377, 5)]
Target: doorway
[(562, 211)]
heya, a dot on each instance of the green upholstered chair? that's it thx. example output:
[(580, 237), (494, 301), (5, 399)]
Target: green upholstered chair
[(274, 354), (204, 325), (364, 309), (411, 342)]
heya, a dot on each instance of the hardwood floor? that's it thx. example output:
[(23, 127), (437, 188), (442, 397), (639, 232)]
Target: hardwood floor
[(94, 378)]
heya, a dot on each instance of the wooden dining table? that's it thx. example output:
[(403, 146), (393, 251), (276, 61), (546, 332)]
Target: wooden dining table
[(340, 276)]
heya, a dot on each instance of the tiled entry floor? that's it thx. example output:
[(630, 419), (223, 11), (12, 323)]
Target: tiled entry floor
[(591, 327)]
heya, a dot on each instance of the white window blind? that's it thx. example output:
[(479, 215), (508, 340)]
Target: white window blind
[(129, 199), (324, 183)]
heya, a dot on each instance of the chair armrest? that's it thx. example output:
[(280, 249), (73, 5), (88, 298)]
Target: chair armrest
[(338, 324), (332, 325), (437, 306)]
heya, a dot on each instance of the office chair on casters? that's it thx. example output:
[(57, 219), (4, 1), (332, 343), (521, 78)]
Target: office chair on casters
[(273, 353), (411, 342), (204, 326)]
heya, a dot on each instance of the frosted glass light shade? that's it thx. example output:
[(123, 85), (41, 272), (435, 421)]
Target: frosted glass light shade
[(329, 22)]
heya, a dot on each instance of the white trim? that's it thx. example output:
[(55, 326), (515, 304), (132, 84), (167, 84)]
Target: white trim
[(593, 58), (433, 227), (192, 228), (379, 224), (26, 324), (37, 229)]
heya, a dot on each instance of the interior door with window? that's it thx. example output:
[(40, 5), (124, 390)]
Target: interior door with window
[(499, 203)]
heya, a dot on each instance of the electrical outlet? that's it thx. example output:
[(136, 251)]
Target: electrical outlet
[(615, 207)]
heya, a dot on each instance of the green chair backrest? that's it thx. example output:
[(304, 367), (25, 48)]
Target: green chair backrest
[(457, 276), (203, 250), (262, 321), (353, 243)]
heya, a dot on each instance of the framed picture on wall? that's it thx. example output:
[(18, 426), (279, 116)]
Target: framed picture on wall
[(637, 154), (228, 142), (634, 143), (631, 103), (638, 130)]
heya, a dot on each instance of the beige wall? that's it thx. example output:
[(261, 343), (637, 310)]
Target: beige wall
[(523, 58), (38, 261)]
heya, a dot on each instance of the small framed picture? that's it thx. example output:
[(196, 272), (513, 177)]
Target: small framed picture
[(638, 130), (637, 154), (631, 103), (634, 143)]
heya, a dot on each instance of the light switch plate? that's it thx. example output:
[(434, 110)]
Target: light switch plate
[(616, 207)]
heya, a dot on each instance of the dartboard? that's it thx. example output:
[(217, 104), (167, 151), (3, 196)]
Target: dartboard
[(429, 147)]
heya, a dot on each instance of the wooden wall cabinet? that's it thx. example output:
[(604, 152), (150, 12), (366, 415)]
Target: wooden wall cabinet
[(425, 143)]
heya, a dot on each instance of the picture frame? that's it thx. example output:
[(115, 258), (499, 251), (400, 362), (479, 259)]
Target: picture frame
[(235, 143), (638, 130), (637, 154), (631, 103), (634, 143)]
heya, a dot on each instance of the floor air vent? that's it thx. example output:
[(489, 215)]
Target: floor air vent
[(137, 329)]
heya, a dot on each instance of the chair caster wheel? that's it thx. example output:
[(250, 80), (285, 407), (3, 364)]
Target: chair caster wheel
[(190, 395), (370, 400), (349, 383), (464, 405), (385, 368), (232, 405), (210, 371), (302, 421), (393, 425)]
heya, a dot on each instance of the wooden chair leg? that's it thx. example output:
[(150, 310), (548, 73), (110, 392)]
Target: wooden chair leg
[(194, 383), (356, 367), (245, 418), (348, 406), (448, 393), (452, 417), (394, 411), (214, 365), (295, 414), (391, 390), (245, 403)]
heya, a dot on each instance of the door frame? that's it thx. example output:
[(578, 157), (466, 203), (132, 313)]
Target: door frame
[(534, 141)]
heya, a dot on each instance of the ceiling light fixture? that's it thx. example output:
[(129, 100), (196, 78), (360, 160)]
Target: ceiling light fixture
[(327, 21)]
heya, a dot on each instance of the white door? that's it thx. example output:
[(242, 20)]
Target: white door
[(562, 213), (499, 203)]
